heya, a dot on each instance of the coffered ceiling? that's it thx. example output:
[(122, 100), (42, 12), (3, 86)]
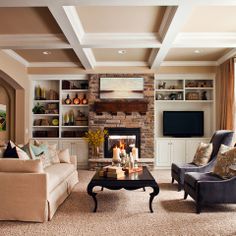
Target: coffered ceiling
[(104, 33)]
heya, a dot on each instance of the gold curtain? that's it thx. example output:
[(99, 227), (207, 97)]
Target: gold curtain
[(225, 95)]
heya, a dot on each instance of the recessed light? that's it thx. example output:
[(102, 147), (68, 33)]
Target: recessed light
[(122, 51), (197, 51), (46, 52)]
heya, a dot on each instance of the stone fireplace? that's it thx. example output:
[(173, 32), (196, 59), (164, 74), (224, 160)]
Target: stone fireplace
[(143, 121), (123, 138)]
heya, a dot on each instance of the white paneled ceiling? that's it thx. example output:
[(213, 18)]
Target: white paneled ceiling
[(128, 33)]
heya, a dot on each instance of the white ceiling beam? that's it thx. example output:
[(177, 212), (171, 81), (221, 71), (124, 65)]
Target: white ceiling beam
[(121, 40), (173, 20), (53, 64), (120, 63), (33, 41), (23, 3), (228, 55), (215, 2), (119, 2), (142, 2), (69, 22), (16, 56), (41, 3), (205, 40)]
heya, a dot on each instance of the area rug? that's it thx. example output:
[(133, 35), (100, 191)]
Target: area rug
[(127, 213)]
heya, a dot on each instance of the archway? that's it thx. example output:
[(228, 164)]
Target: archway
[(12, 96)]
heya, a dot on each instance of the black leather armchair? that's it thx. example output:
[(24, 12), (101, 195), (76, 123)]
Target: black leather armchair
[(207, 188), (178, 171)]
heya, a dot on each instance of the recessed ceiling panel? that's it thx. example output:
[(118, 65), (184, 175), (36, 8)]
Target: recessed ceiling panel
[(120, 19), (212, 19), (27, 20), (131, 54), (58, 55), (195, 54)]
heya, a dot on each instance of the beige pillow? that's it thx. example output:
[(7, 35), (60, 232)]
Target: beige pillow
[(223, 162), (22, 154), (64, 156), (203, 154), (53, 152)]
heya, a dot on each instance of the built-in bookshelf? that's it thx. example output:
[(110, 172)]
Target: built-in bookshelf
[(60, 107), (182, 92), (184, 89)]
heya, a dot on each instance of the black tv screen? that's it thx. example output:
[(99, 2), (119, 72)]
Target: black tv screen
[(183, 123)]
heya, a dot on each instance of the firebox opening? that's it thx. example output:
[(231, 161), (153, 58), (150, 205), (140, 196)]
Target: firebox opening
[(123, 138)]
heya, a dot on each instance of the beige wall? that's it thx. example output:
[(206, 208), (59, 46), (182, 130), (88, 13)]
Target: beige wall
[(16, 75)]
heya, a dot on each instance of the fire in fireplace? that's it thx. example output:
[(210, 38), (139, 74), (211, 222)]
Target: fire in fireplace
[(123, 138)]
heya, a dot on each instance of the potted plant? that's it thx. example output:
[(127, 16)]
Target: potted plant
[(38, 109)]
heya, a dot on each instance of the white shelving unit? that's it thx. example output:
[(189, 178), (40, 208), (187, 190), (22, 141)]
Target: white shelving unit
[(76, 144), (172, 94)]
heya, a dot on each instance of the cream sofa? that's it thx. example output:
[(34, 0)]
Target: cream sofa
[(30, 193)]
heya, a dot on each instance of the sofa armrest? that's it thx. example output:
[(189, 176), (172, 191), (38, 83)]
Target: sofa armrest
[(23, 196), (73, 160)]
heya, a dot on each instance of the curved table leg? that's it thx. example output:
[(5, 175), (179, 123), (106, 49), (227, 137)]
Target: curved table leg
[(144, 189), (93, 195), (152, 195)]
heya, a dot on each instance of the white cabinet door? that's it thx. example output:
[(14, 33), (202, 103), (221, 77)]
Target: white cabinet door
[(191, 148), (178, 151), (163, 153), (80, 149)]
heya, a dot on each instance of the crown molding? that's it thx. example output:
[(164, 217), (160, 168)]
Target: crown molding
[(189, 63), (16, 57), (205, 40), (121, 63), (228, 55), (121, 40), (33, 41)]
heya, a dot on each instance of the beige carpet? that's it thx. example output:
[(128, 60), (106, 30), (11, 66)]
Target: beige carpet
[(127, 213)]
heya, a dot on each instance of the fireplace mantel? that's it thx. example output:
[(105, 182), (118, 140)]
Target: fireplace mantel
[(140, 106)]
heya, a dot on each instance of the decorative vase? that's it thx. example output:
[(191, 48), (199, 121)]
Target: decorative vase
[(96, 151)]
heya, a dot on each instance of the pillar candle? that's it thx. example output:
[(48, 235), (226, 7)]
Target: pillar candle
[(135, 153), (116, 154)]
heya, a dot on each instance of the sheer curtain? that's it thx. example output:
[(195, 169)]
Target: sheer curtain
[(225, 95)]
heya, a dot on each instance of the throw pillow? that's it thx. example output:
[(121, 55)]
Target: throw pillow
[(41, 152), (28, 150), (13, 151), (223, 162), (10, 151), (203, 154), (53, 153), (64, 156), (22, 155)]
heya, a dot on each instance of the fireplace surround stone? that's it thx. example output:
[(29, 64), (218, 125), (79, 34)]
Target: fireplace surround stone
[(128, 120)]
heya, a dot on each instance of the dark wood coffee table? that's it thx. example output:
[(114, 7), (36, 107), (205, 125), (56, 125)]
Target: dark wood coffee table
[(131, 181)]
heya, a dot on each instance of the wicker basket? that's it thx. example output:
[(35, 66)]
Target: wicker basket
[(192, 96)]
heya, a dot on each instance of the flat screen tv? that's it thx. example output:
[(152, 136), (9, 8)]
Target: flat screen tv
[(183, 123)]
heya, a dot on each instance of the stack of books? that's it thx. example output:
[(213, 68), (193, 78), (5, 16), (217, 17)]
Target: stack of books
[(112, 172)]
